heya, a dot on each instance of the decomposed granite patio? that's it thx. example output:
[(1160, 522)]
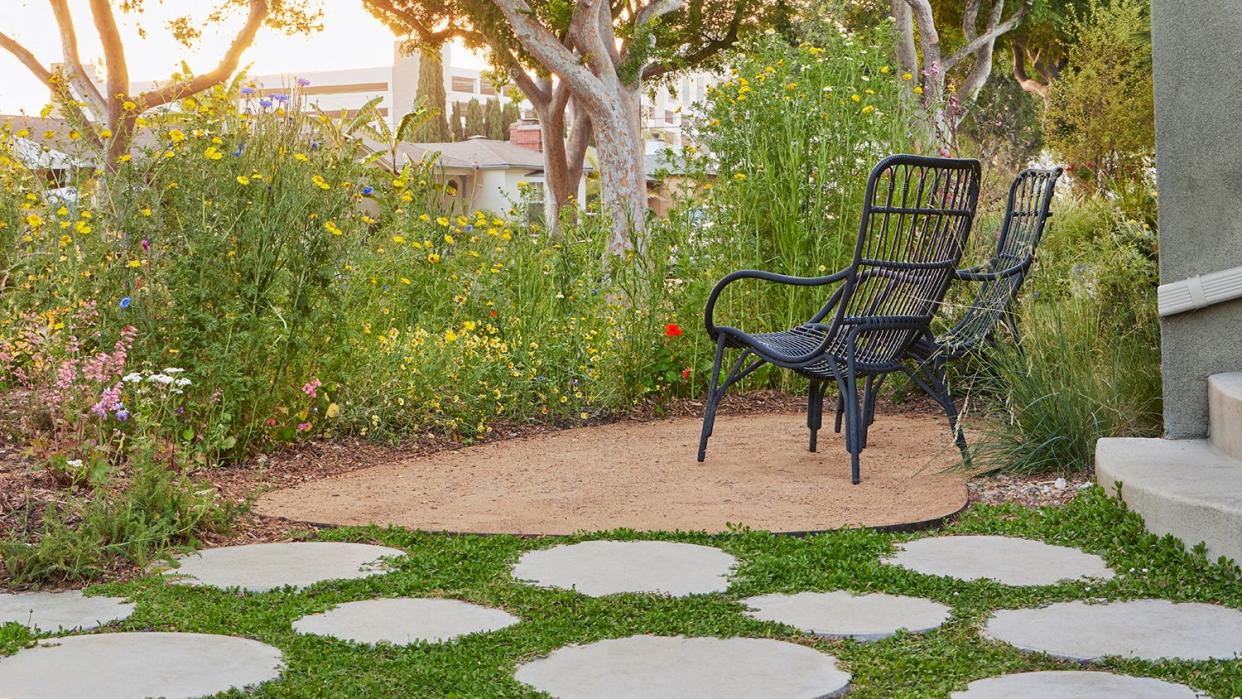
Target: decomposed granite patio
[(643, 476), (402, 621), (62, 611), (137, 665)]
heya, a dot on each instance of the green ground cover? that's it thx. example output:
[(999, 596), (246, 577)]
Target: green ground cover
[(476, 569)]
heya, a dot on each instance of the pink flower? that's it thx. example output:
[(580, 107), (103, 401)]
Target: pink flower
[(304, 427), (146, 245), (270, 422), (311, 388)]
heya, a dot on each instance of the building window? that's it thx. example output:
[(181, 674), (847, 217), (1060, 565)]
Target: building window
[(670, 116), (487, 88), (461, 84)]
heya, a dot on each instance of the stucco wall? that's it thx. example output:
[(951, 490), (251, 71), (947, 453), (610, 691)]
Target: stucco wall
[(1198, 82)]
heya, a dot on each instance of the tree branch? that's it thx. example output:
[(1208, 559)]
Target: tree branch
[(117, 85), (929, 38), (222, 71), (549, 51), (988, 38), (27, 59), (77, 74), (1027, 83)]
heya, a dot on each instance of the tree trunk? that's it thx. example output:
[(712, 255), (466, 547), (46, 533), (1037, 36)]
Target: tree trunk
[(623, 182)]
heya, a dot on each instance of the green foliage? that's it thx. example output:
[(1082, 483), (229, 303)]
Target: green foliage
[(129, 522), (432, 97), (1090, 360), (457, 123), (1100, 113), (494, 124), (510, 115), (476, 124)]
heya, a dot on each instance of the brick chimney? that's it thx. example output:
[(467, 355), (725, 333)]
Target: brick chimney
[(526, 133)]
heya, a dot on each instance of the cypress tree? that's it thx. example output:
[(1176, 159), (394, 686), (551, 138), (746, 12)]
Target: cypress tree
[(431, 96), (494, 121), (474, 119), (510, 115), (455, 123)]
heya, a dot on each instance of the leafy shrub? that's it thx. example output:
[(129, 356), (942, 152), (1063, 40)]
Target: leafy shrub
[(1089, 364), (1100, 114)]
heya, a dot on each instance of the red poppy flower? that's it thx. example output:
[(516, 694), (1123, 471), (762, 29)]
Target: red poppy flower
[(492, 313), (672, 330), (685, 373)]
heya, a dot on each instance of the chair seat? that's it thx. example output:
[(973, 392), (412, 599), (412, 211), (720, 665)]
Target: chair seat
[(806, 338)]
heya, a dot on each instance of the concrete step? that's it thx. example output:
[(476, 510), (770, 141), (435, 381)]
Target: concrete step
[(1225, 412), (1186, 487)]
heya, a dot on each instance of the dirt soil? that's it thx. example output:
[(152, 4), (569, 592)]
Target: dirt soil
[(643, 475)]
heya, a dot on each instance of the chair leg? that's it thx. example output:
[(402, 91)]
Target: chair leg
[(714, 392), (840, 411), (814, 410), (855, 430), (935, 386)]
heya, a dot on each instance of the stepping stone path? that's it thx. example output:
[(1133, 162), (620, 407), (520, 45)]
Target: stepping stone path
[(842, 614), (661, 666), (266, 567), (137, 665), (1073, 685), (1007, 560), (599, 568), (1149, 629), (404, 620), (62, 611)]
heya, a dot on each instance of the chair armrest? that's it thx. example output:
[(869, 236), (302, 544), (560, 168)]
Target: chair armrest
[(764, 276), (974, 274)]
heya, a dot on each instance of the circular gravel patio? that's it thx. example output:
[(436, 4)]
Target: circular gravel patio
[(643, 475)]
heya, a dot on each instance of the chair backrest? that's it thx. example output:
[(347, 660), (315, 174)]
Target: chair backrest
[(916, 218), (1026, 215)]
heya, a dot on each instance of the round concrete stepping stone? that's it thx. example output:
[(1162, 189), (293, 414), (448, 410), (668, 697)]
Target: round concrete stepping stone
[(1005, 559), (62, 611), (264, 567), (841, 614), (404, 620), (1149, 629), (662, 666), (1073, 685), (137, 665), (598, 568)]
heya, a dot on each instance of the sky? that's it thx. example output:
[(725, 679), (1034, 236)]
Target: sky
[(351, 38)]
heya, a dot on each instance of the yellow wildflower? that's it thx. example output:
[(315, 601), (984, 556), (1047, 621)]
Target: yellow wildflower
[(212, 153), (243, 180), (332, 228)]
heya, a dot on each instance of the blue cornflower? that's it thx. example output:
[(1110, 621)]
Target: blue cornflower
[(247, 91), (265, 103), (303, 82), (280, 97), (122, 414), (368, 191), (241, 148), (126, 301)]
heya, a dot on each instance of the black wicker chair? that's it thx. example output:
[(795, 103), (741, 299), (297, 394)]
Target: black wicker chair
[(1000, 280), (917, 214)]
